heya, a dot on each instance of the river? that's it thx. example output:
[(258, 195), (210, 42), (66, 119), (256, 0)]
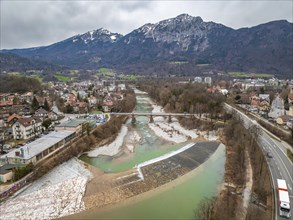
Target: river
[(175, 200)]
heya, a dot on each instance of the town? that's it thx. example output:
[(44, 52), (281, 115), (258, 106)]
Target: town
[(35, 125)]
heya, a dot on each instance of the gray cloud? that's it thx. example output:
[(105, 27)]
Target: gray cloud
[(35, 23)]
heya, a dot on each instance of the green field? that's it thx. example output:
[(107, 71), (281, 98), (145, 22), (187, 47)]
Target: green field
[(106, 72), (62, 78), (130, 77), (244, 74)]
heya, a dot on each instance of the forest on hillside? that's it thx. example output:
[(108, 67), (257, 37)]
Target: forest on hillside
[(20, 84)]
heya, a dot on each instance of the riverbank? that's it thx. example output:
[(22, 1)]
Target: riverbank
[(58, 193), (112, 148), (113, 188), (207, 175)]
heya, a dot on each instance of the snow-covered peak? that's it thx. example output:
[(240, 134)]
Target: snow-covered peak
[(96, 35)]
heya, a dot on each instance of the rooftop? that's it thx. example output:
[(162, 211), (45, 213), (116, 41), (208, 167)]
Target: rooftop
[(34, 148), (7, 167), (71, 123)]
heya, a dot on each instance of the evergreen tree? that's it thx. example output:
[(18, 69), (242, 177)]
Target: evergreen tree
[(35, 104), (46, 105), (47, 123)]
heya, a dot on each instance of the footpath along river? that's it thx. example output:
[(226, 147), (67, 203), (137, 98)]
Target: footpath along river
[(175, 200)]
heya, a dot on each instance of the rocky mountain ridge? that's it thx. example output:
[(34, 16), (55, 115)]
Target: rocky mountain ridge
[(263, 48)]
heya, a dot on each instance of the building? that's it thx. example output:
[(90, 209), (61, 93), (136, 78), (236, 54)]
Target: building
[(6, 172), (25, 128), (290, 111), (27, 97), (277, 108), (39, 149), (41, 113), (12, 119), (6, 99), (198, 79), (264, 97), (254, 101), (282, 120), (70, 125), (208, 80)]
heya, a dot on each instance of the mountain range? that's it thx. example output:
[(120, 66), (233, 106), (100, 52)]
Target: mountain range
[(186, 40)]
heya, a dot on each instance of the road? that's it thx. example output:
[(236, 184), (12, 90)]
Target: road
[(280, 166)]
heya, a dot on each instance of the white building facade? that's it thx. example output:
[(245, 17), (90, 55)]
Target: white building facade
[(25, 128)]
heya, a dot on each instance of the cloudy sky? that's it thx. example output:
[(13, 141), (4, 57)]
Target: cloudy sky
[(29, 23)]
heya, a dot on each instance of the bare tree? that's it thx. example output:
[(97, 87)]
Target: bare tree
[(205, 208)]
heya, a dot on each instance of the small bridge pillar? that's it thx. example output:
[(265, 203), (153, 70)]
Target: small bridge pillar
[(151, 119), (133, 119), (169, 119)]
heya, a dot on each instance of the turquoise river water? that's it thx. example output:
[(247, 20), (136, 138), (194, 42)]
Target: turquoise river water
[(176, 200)]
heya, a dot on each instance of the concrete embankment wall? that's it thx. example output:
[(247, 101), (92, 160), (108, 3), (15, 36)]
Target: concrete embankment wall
[(180, 163)]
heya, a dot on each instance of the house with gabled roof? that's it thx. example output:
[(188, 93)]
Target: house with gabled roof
[(12, 119), (41, 112), (26, 128)]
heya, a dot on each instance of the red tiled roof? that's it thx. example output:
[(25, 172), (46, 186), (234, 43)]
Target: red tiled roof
[(27, 121), (290, 96), (11, 117)]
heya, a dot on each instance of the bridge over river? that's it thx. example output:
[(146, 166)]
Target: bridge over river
[(151, 115)]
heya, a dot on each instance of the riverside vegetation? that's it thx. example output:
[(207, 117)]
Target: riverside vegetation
[(191, 98), (240, 144)]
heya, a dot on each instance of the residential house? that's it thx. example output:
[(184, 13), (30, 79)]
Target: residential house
[(25, 128), (71, 99), (7, 173), (282, 120), (108, 103), (264, 106), (107, 106), (208, 80), (264, 97), (6, 99), (121, 87), (81, 107), (53, 116), (27, 97), (41, 113), (255, 100), (12, 119), (92, 100), (198, 79), (82, 94), (223, 91), (277, 108)]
